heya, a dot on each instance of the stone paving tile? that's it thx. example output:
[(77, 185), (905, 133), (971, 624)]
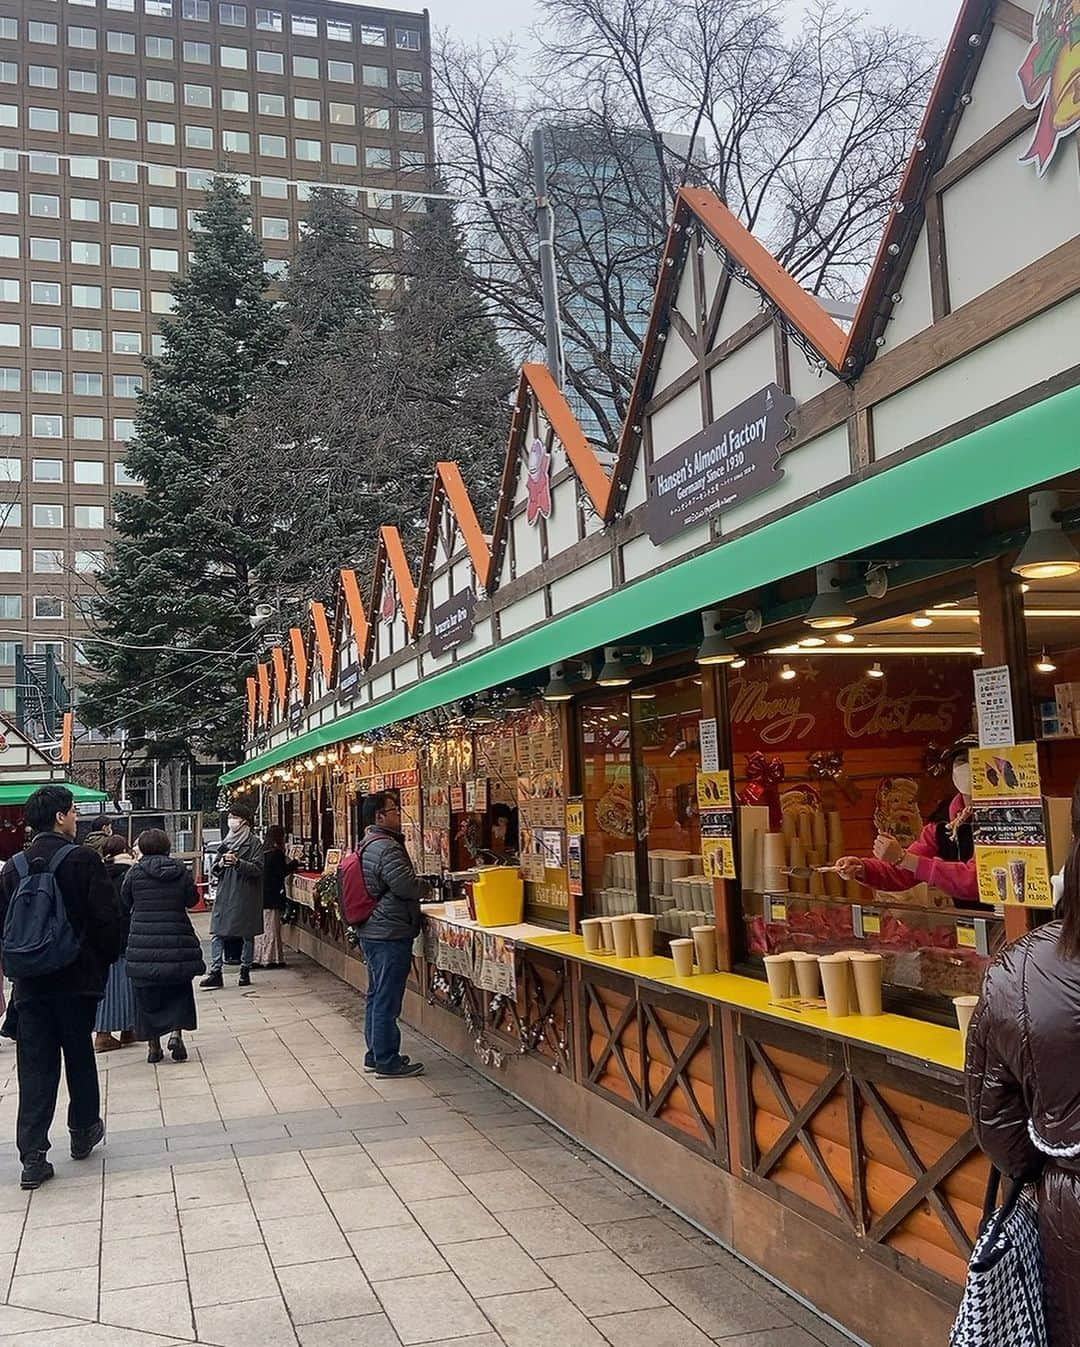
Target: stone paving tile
[(219, 1227), (601, 1283), (370, 1330), (164, 1309), (495, 1267), (339, 1290), (57, 1247), (448, 1220), (427, 1309), (648, 1245), (516, 1319), (414, 1182), (547, 1232), (243, 1274), (508, 1191), (249, 1323), (664, 1327), (73, 1291), (146, 1260), (368, 1209), (718, 1301), (396, 1251), (304, 1239)]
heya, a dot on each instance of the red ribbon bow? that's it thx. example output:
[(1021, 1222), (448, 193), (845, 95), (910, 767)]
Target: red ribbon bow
[(763, 781)]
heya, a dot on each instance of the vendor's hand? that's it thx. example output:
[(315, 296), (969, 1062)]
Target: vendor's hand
[(850, 867), (888, 849)]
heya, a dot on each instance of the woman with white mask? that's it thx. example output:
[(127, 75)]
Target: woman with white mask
[(942, 855)]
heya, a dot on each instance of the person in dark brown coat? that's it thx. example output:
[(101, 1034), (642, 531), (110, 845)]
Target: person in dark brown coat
[(1023, 1086)]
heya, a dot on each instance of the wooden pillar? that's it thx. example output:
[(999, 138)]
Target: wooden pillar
[(1003, 636), (714, 706), (570, 776)]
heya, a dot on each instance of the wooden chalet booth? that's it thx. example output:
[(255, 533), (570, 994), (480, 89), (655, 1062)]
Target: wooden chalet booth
[(815, 538)]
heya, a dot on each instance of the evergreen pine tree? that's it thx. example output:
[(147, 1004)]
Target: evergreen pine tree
[(455, 379), (179, 580)]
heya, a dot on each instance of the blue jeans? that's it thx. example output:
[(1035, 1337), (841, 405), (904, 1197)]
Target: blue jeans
[(217, 952), (388, 963)]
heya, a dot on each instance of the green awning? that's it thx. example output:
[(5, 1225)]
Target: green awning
[(18, 792), (1019, 452)]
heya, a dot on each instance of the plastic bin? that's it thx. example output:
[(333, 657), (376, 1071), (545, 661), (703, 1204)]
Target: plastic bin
[(499, 894)]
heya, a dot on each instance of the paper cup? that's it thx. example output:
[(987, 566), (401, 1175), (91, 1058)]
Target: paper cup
[(835, 981), (704, 948), (682, 951), (807, 975), (606, 943), (965, 1008), (591, 934), (644, 929), (780, 971), (867, 969), (622, 931)]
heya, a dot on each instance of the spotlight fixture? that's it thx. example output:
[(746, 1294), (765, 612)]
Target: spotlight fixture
[(875, 671), (787, 673), (739, 663), (1048, 553), (877, 582), (557, 689), (829, 610), (715, 647), (923, 621), (320, 758), (811, 642), (643, 695), (844, 638), (309, 764), (614, 673), (752, 620), (1044, 664)]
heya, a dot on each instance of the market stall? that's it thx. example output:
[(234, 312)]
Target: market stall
[(773, 711)]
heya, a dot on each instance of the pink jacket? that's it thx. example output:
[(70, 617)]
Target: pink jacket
[(956, 878)]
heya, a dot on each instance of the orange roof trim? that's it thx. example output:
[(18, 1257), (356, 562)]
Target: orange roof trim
[(252, 703), (453, 484), (264, 692), (394, 548), (281, 680), (299, 660), (569, 433), (354, 605), (324, 642)]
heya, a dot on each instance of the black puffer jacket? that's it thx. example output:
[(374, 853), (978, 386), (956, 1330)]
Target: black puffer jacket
[(1022, 1052), (162, 945)]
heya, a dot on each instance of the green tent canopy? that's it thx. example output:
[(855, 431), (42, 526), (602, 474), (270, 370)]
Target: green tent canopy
[(18, 792)]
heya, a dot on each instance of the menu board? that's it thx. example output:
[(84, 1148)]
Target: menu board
[(716, 815), (1009, 826), (436, 836)]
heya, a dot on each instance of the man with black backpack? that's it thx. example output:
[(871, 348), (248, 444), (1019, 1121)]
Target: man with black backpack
[(62, 929), (380, 900)]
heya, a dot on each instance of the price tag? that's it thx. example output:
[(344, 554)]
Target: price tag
[(965, 934), (973, 933), (865, 921), (776, 909)]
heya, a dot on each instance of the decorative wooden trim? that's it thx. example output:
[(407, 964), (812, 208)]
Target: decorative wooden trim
[(685, 331), (937, 254), (741, 337), (861, 440), (1013, 19), (782, 357), (979, 151)]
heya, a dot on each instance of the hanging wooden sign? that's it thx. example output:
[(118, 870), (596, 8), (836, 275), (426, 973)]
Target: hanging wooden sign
[(453, 622)]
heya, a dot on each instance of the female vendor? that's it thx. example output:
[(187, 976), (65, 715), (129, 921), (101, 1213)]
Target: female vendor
[(942, 855)]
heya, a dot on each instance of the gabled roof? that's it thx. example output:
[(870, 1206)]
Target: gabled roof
[(299, 661), (391, 553), (449, 488), (349, 607), (281, 677), (322, 648)]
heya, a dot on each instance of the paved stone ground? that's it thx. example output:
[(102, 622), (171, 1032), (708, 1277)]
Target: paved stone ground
[(269, 1194)]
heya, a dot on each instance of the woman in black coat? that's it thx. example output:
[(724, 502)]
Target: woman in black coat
[(163, 951), (269, 951)]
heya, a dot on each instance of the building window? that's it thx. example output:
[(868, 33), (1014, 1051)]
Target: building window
[(198, 137), (120, 44), (9, 30), (164, 259), (127, 343), (86, 296), (47, 561), (49, 381), (10, 290), (406, 39), (410, 160), (233, 58), (48, 470), (10, 382), (305, 67), (10, 424), (10, 334), (45, 427), (45, 33), (198, 96), (9, 116), (342, 114), (128, 301), (233, 16), (82, 124), (162, 217), (85, 254), (272, 146), (10, 564), (45, 338), (37, 76), (48, 606), (127, 385), (123, 170), (344, 155), (236, 142), (270, 63), (375, 156), (121, 86), (197, 53), (412, 80), (274, 187), (374, 76), (48, 164), (47, 207), (86, 339), (269, 20), (88, 472), (161, 91), (83, 166), (160, 133), (124, 255), (11, 606), (123, 429), (304, 25), (48, 516), (271, 105), (87, 563), (307, 109), (85, 38), (159, 48), (372, 36), (87, 428), (123, 213), (9, 205), (161, 301), (86, 384), (89, 516), (275, 227), (44, 292), (196, 11), (10, 469), (123, 128), (341, 72), (82, 82), (412, 123), (56, 647), (11, 515), (161, 8), (338, 31), (234, 100), (308, 150), (84, 209), (9, 245)]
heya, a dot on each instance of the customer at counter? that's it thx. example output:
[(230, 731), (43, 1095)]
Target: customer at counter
[(943, 854), (1023, 1089)]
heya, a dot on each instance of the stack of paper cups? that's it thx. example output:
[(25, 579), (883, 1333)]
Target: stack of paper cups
[(606, 943), (644, 928), (705, 947), (807, 974), (836, 983), (682, 951), (867, 969), (781, 974), (775, 857), (798, 858), (592, 934), (622, 931)]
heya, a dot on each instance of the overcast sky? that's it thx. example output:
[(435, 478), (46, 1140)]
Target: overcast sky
[(492, 18)]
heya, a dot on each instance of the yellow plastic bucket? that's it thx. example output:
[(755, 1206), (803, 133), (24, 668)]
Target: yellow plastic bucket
[(499, 895)]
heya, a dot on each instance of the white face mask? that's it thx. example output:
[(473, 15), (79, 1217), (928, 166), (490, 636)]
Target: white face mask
[(961, 777), (235, 824)]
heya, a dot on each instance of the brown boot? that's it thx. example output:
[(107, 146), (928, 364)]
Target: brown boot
[(105, 1043), (127, 1038)]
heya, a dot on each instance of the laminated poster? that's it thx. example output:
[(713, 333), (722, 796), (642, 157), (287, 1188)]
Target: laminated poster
[(716, 815), (1009, 826)]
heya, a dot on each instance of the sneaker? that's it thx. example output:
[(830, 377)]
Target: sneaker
[(244, 980), (82, 1143), (370, 1068), (36, 1170), (212, 981), (402, 1068)]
